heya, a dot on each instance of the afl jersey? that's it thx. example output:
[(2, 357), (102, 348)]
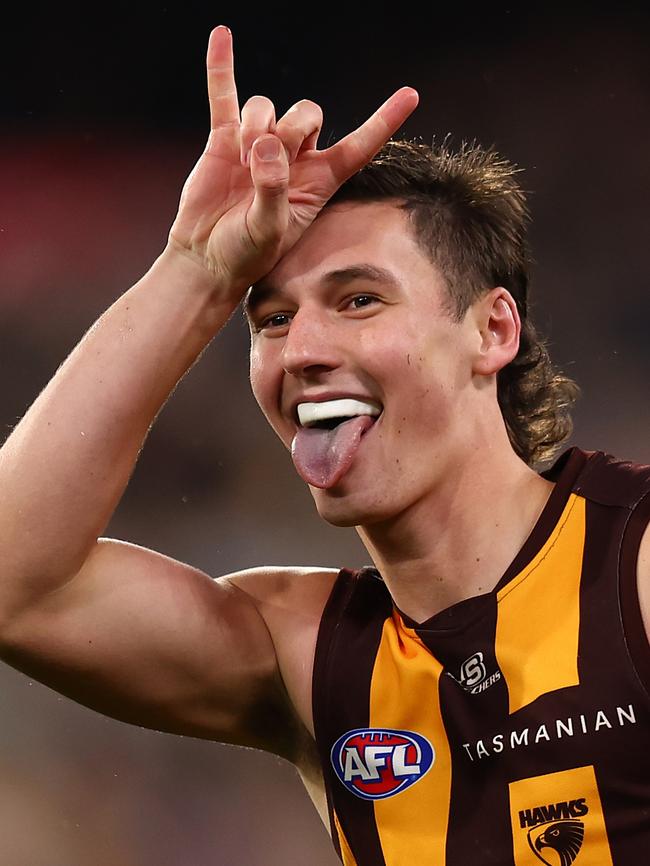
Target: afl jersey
[(513, 728)]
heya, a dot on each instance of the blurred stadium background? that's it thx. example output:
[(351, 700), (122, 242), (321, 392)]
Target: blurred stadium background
[(103, 114)]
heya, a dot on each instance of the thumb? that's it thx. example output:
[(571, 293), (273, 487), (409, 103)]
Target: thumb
[(268, 215)]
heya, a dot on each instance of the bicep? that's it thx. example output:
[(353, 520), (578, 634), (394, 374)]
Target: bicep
[(149, 640)]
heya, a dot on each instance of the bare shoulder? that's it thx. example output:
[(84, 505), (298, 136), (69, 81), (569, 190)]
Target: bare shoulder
[(300, 589), (643, 578), (291, 602)]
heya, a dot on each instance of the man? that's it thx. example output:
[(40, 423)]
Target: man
[(481, 700)]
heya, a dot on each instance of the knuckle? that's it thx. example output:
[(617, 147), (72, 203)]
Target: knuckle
[(287, 127), (274, 186), (265, 234)]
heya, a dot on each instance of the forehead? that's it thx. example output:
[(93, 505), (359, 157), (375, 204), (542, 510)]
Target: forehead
[(350, 238)]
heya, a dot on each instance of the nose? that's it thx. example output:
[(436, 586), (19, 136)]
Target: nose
[(310, 346)]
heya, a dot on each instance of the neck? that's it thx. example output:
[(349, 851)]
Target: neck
[(458, 541)]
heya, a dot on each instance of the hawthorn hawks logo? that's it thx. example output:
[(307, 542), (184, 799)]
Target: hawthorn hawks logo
[(555, 835), (375, 763), (562, 837)]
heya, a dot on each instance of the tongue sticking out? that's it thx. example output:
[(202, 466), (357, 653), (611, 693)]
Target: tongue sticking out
[(322, 457)]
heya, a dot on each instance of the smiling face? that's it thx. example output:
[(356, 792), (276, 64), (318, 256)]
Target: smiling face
[(356, 311)]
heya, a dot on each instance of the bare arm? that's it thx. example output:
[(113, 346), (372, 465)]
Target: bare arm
[(152, 641), (120, 628)]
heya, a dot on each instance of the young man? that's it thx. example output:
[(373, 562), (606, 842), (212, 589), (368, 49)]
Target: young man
[(483, 700)]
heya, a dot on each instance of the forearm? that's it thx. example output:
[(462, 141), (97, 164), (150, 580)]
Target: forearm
[(65, 466)]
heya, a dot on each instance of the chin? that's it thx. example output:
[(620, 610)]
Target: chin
[(344, 509)]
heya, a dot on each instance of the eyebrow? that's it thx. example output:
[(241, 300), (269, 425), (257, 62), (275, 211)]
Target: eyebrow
[(261, 291)]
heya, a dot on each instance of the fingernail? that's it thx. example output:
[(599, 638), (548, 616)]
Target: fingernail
[(268, 149)]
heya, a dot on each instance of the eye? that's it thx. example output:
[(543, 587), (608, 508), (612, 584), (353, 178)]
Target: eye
[(276, 320), (358, 302)]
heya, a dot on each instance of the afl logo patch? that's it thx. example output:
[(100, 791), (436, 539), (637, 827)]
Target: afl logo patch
[(375, 763)]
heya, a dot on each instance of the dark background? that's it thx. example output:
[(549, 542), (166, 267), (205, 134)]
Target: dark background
[(103, 114)]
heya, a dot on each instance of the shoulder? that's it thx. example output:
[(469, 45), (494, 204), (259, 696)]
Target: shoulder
[(301, 590), (635, 477), (612, 481), (624, 483), (291, 601)]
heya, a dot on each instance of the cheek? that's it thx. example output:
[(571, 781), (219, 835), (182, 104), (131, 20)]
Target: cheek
[(255, 372), (266, 375), (422, 387), (264, 385)]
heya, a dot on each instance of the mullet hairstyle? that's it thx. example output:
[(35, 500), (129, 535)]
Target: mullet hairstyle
[(470, 218)]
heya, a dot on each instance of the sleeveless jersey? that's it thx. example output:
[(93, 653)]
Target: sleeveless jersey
[(513, 728)]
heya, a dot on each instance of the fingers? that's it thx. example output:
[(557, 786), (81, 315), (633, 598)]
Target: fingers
[(268, 215), (300, 127), (356, 149), (257, 118), (222, 91)]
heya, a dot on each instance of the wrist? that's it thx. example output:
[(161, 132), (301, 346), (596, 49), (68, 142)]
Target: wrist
[(177, 269), (181, 265)]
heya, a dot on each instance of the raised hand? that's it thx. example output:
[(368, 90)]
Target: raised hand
[(260, 182)]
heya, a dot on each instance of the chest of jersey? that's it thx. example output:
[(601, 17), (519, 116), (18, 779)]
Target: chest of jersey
[(510, 729)]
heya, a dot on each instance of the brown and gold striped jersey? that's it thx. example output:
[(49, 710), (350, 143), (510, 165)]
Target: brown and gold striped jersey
[(513, 728)]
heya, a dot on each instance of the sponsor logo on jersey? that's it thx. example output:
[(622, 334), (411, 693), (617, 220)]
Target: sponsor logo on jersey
[(566, 729), (375, 763), (473, 675), (555, 834)]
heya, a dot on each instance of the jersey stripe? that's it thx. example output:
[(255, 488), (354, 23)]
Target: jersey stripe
[(346, 654), (404, 694), (346, 853), (538, 618)]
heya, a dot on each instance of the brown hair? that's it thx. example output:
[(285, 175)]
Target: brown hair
[(470, 217)]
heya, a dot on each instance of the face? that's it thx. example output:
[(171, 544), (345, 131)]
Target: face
[(356, 310)]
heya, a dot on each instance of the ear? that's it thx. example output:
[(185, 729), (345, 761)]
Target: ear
[(499, 326)]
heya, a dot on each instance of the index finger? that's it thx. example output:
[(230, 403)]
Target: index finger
[(358, 147), (222, 91)]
